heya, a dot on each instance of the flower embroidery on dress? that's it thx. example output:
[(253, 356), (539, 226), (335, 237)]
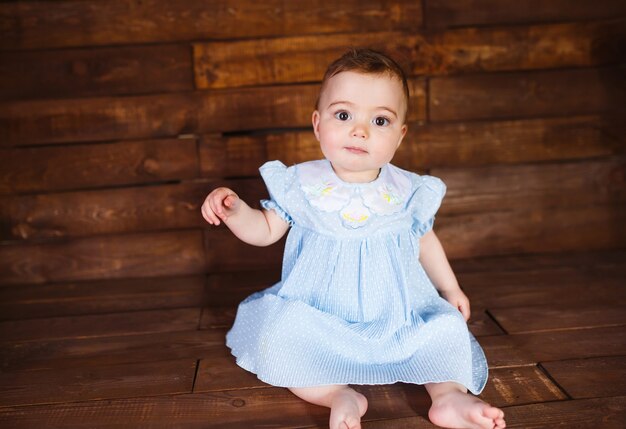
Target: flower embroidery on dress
[(355, 214), (355, 202)]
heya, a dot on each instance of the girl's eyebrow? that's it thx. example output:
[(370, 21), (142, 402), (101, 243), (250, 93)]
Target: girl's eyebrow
[(390, 110)]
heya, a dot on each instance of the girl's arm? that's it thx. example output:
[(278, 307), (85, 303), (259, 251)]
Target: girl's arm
[(252, 226), (436, 265)]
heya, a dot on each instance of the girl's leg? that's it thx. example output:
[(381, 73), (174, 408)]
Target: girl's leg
[(346, 405), (453, 407)]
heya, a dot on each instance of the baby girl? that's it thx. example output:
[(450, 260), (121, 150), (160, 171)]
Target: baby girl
[(367, 295)]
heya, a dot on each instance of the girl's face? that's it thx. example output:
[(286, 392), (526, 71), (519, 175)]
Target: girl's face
[(360, 123)]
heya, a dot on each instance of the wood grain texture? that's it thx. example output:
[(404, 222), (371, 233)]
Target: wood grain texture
[(551, 317), (497, 142), (93, 383), (95, 71), (104, 351), (224, 252), (304, 58), (137, 255), (101, 325), (538, 263), (101, 296), (97, 165), (118, 210), (580, 414), (453, 13), (544, 186), (530, 349), (590, 378), (239, 285), (570, 287), (533, 230), (529, 94), (33, 25)]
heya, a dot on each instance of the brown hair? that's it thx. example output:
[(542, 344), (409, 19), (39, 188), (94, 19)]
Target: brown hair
[(367, 61)]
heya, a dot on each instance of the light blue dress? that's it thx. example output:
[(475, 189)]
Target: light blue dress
[(354, 305)]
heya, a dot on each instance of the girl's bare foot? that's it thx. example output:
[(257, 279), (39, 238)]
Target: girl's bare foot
[(347, 408), (454, 408)]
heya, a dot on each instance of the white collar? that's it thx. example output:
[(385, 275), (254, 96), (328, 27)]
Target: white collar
[(355, 202)]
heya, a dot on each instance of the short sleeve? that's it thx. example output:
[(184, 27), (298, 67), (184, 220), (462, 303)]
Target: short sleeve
[(425, 202), (274, 174)]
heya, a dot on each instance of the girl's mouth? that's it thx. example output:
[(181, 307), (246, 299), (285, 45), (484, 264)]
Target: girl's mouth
[(356, 150)]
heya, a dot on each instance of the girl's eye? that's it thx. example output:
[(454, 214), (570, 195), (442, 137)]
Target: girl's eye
[(381, 121), (342, 116)]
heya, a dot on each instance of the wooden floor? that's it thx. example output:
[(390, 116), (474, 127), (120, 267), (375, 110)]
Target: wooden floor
[(150, 352)]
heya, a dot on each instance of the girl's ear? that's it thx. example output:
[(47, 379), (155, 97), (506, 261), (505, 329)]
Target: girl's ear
[(403, 130), (315, 120)]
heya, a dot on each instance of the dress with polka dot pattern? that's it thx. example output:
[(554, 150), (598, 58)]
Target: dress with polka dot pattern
[(354, 305)]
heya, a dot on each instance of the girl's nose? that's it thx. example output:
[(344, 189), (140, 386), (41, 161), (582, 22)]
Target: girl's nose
[(359, 131)]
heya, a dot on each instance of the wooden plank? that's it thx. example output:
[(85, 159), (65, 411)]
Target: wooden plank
[(97, 297), (95, 71), (569, 287), (538, 263), (512, 141), (122, 256), (556, 229), (522, 385), (464, 144), (304, 58), (454, 13), (553, 317), (100, 325), (104, 351), (605, 413), (220, 372), (114, 211), (481, 324), (137, 117), (96, 165), (97, 382), (527, 94), (529, 349), (502, 188), (230, 409), (34, 25), (580, 414), (590, 378), (239, 285), (417, 422), (225, 252)]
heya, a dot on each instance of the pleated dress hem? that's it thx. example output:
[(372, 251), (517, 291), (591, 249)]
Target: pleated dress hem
[(370, 377)]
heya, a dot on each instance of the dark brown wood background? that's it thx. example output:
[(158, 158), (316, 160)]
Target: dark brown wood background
[(117, 117)]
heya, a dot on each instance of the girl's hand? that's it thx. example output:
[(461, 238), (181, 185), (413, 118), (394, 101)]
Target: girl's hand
[(459, 300), (220, 204)]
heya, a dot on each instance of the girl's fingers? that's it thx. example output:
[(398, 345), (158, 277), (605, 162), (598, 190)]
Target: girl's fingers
[(217, 205), (208, 214), (230, 201), (465, 311)]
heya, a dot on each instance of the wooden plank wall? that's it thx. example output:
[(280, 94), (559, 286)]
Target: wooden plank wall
[(117, 117)]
